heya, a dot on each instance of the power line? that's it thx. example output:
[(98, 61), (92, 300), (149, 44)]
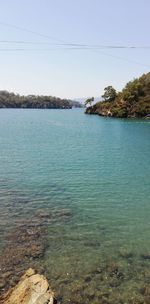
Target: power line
[(46, 49), (94, 46), (73, 48), (30, 31), (62, 42), (63, 45), (122, 58)]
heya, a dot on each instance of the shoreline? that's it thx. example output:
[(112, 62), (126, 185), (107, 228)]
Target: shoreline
[(31, 288), (94, 111)]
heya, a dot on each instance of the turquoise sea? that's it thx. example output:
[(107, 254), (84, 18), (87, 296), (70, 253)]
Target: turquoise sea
[(96, 168)]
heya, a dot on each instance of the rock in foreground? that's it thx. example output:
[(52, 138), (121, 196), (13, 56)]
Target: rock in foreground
[(31, 289)]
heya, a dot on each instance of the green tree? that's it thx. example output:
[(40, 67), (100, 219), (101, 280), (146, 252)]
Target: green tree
[(109, 94), (133, 90), (89, 101)]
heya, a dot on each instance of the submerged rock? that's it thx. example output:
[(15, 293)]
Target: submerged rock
[(23, 250), (125, 253), (26, 244), (31, 289), (145, 256)]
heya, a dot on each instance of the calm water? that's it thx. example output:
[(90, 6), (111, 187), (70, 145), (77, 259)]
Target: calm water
[(99, 169)]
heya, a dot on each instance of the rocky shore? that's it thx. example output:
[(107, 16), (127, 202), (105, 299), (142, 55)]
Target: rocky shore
[(103, 285), (122, 279), (132, 102), (119, 109), (32, 289)]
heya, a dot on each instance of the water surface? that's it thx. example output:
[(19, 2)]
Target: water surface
[(98, 169)]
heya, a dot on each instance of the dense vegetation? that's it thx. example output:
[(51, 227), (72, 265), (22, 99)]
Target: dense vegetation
[(11, 100), (132, 101)]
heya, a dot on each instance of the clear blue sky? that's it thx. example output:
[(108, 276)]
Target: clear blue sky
[(73, 73)]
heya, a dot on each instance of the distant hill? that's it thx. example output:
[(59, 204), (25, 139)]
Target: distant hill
[(83, 99), (75, 104), (11, 100), (133, 101)]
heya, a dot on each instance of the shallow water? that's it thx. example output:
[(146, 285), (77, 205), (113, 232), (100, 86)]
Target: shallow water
[(98, 169)]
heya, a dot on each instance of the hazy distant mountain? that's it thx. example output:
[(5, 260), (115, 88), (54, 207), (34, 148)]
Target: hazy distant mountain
[(82, 99), (76, 103)]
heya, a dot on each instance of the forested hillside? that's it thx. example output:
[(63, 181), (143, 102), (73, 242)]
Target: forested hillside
[(11, 100), (132, 101)]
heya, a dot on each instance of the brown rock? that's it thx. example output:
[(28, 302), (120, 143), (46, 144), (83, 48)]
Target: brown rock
[(31, 289)]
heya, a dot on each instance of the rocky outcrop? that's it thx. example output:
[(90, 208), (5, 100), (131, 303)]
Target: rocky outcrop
[(100, 109), (132, 102), (31, 289)]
